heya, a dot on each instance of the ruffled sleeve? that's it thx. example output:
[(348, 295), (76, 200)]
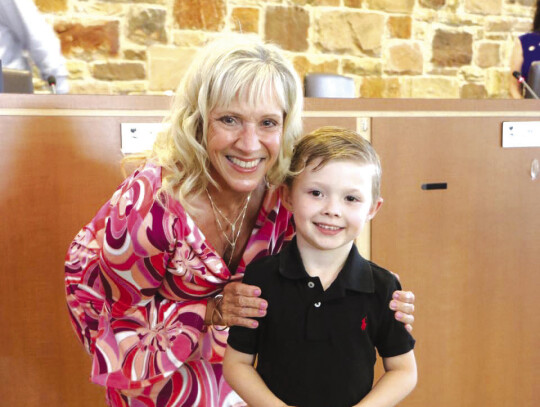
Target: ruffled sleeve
[(84, 294), (142, 337), (135, 335)]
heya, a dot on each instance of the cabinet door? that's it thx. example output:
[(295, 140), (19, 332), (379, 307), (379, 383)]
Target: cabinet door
[(470, 253), (56, 173)]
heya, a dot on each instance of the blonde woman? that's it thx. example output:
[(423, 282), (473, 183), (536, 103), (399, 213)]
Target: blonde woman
[(153, 280)]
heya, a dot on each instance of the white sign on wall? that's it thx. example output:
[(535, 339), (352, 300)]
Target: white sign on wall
[(138, 137), (521, 134)]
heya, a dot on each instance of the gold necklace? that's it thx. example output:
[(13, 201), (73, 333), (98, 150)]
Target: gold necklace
[(234, 237), (232, 224)]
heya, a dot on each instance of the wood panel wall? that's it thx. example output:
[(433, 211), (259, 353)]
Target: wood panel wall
[(470, 252), (60, 162)]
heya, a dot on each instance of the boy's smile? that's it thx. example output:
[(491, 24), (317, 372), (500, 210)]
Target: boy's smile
[(332, 204), (328, 229)]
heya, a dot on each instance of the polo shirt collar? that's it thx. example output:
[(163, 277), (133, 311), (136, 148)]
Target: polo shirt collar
[(355, 275)]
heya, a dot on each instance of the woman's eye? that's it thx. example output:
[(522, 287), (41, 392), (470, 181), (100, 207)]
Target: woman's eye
[(228, 120), (269, 123)]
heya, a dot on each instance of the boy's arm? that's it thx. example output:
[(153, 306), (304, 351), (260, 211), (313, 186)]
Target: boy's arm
[(241, 375), (395, 384)]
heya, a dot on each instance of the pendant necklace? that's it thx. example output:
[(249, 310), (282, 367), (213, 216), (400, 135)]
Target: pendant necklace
[(235, 234)]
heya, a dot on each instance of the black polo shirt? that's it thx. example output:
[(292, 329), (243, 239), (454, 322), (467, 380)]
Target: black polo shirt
[(315, 347)]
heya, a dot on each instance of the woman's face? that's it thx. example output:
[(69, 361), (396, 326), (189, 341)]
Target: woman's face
[(243, 143)]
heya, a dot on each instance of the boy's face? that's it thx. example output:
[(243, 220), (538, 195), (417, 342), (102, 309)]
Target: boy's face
[(331, 205)]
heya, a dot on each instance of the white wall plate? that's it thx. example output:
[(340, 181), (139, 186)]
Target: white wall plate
[(138, 137), (521, 134)]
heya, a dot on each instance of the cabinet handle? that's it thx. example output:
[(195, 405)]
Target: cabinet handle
[(435, 185)]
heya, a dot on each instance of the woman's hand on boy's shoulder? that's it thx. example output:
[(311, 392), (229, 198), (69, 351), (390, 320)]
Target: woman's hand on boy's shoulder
[(241, 303), (403, 305)]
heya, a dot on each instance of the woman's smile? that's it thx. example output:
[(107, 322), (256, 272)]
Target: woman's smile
[(245, 164)]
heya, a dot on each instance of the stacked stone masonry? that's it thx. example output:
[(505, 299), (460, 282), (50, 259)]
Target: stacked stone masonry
[(392, 48)]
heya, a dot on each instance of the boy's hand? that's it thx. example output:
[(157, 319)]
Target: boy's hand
[(240, 303), (403, 303)]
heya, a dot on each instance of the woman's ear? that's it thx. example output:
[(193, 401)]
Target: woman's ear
[(375, 208), (285, 192)]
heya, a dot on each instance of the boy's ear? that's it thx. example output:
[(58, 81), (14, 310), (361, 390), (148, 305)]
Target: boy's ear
[(286, 197), (375, 208)]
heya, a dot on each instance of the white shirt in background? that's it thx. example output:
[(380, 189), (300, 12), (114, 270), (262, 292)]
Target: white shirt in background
[(25, 32)]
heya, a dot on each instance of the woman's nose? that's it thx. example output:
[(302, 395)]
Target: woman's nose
[(249, 138)]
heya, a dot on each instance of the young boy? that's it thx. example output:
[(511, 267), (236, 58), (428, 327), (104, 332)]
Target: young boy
[(327, 306)]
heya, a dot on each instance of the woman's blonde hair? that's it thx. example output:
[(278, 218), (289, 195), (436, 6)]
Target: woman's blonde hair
[(233, 65), (335, 143)]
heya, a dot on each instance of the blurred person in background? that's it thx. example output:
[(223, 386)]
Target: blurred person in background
[(24, 34), (526, 51)]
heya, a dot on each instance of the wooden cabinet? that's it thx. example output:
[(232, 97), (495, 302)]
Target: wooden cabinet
[(471, 253), (60, 163)]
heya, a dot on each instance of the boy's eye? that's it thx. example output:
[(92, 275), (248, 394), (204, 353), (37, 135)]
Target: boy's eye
[(350, 198), (315, 193)]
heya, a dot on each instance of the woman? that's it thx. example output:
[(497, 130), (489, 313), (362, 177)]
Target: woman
[(153, 280), (526, 51)]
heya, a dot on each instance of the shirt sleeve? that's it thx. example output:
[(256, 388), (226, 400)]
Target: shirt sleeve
[(139, 338), (392, 338)]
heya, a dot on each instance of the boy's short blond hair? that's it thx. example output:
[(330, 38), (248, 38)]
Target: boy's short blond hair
[(335, 143)]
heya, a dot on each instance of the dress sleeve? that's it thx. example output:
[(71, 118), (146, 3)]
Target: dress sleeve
[(141, 338), (84, 293)]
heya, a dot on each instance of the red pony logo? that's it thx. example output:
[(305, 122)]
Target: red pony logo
[(364, 324)]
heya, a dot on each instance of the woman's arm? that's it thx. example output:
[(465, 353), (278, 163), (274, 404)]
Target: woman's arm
[(395, 384), (516, 61), (239, 372), (114, 269)]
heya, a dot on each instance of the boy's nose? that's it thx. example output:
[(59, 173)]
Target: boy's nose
[(332, 208)]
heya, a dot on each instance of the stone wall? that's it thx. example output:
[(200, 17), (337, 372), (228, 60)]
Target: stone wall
[(392, 48)]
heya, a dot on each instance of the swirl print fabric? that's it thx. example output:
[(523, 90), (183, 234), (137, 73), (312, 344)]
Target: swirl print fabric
[(137, 281)]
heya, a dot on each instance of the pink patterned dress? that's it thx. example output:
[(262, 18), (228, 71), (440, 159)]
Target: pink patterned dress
[(138, 277)]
